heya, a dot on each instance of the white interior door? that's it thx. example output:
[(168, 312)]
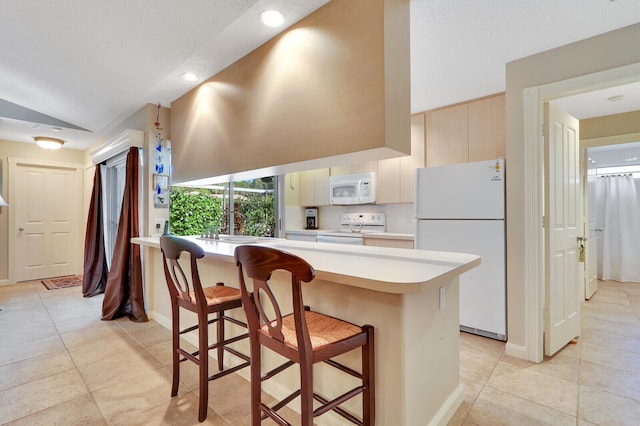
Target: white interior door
[(591, 246), (563, 223), (46, 212)]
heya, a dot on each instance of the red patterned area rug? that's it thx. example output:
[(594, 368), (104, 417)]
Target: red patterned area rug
[(62, 282)]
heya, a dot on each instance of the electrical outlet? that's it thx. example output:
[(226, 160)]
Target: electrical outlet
[(159, 224)]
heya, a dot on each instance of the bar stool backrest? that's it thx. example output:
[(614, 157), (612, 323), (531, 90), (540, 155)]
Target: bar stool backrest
[(180, 286), (259, 263)]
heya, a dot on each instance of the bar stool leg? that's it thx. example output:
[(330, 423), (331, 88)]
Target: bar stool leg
[(220, 332), (306, 393), (203, 357), (175, 343), (256, 412), (368, 373)]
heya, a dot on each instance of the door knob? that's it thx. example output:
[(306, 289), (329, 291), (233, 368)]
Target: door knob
[(21, 228)]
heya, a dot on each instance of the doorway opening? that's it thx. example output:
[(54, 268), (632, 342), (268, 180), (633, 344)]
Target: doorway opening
[(534, 268)]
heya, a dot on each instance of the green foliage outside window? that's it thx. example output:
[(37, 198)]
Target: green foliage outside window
[(258, 214), (193, 210)]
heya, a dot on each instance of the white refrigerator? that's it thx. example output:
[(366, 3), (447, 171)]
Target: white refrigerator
[(461, 208)]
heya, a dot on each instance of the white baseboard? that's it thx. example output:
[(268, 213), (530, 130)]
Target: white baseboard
[(516, 351), (449, 408)]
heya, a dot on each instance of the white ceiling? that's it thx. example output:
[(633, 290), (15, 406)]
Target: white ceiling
[(91, 64)]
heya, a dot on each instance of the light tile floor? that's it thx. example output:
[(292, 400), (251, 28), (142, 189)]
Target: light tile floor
[(61, 365)]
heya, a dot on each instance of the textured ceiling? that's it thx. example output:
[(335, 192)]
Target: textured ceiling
[(91, 64)]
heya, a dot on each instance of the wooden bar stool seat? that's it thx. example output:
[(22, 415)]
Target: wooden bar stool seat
[(304, 337), (186, 292)]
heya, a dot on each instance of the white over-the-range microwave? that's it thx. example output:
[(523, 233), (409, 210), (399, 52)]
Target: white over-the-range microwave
[(352, 189)]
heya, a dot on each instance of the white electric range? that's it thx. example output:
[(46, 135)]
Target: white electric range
[(353, 226)]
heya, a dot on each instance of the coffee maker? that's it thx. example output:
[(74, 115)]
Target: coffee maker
[(311, 218)]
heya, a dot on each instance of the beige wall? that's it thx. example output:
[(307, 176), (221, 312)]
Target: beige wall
[(32, 152), (606, 51), (610, 125), (320, 89)]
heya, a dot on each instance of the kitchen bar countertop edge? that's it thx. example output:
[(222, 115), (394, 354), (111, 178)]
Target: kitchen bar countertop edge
[(388, 270)]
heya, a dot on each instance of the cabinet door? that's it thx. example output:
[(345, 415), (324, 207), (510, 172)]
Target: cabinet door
[(292, 189), (385, 242), (487, 129), (396, 175), (369, 166), (321, 183), (409, 164), (448, 136), (388, 181), (307, 188), (314, 188), (341, 170)]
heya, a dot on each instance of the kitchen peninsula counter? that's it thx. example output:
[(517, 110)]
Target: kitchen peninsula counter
[(409, 296)]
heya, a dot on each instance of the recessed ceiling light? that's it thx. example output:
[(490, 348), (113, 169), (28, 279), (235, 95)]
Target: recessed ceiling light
[(615, 98), (272, 18), (35, 126), (56, 129), (189, 76)]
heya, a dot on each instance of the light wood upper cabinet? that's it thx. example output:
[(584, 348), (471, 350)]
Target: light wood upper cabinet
[(487, 129), (472, 131), (396, 175), (448, 136), (369, 166), (292, 189), (314, 188)]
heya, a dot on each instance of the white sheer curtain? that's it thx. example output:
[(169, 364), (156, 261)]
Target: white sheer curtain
[(618, 216)]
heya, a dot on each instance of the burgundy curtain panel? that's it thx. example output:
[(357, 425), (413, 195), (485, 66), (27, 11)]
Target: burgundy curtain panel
[(123, 293), (94, 278)]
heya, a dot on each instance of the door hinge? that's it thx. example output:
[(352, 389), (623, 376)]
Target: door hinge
[(543, 221)]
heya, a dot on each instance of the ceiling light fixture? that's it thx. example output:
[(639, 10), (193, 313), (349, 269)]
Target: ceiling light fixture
[(189, 76), (48, 143), (272, 18), (615, 98)]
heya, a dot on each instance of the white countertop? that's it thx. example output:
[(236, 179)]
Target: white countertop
[(389, 270)]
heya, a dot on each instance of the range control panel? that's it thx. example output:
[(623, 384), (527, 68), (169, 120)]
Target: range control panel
[(363, 222)]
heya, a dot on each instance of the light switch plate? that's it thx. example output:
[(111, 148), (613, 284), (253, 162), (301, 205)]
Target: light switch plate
[(442, 294)]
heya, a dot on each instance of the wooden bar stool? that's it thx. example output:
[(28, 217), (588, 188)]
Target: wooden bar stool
[(187, 292), (304, 337)]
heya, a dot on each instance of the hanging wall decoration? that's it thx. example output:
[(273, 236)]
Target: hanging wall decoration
[(160, 179)]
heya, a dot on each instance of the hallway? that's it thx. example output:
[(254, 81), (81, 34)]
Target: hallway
[(54, 371)]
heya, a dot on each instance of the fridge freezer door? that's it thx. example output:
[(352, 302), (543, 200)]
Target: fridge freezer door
[(461, 191), (483, 288)]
